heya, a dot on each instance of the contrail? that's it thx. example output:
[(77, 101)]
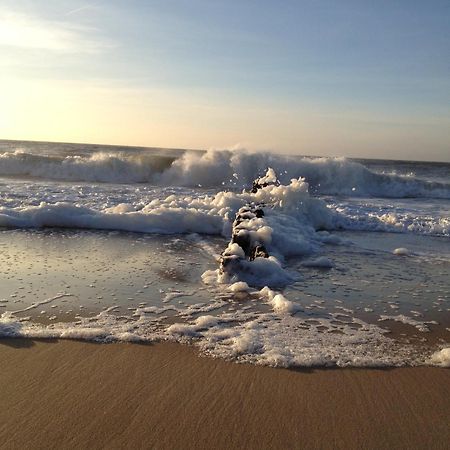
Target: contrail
[(81, 8)]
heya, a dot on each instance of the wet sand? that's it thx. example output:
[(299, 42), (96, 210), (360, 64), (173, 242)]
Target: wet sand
[(69, 394)]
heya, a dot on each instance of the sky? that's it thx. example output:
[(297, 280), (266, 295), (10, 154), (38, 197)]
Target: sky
[(316, 77)]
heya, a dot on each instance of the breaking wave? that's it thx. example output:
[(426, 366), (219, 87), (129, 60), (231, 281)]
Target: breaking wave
[(99, 167), (212, 169), (294, 213)]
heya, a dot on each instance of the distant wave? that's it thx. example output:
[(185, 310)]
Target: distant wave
[(100, 167), (327, 176)]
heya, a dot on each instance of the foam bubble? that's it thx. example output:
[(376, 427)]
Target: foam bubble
[(239, 286), (401, 251), (441, 358), (279, 302)]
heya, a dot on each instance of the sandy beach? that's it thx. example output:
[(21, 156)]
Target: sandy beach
[(70, 394)]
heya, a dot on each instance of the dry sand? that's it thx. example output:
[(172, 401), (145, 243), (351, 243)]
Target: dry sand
[(70, 394)]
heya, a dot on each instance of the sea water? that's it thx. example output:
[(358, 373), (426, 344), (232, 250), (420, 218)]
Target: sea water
[(114, 243)]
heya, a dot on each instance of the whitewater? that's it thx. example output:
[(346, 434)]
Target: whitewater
[(356, 271)]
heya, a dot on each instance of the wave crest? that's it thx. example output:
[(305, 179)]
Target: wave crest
[(100, 167), (212, 169)]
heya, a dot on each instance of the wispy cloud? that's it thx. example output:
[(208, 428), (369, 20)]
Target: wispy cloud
[(81, 9), (36, 33)]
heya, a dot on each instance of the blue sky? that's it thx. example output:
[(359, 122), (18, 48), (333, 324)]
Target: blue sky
[(354, 78)]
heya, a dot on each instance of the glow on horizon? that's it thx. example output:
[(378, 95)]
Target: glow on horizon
[(64, 78)]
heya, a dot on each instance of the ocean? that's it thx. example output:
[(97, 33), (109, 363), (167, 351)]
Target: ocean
[(110, 243)]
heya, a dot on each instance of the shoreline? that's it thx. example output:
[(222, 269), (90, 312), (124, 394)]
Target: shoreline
[(76, 394)]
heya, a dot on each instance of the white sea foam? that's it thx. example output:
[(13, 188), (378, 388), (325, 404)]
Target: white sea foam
[(441, 358), (43, 302), (401, 251), (280, 338), (258, 273), (279, 302), (157, 218), (287, 229), (409, 219), (420, 325), (239, 286), (288, 341)]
